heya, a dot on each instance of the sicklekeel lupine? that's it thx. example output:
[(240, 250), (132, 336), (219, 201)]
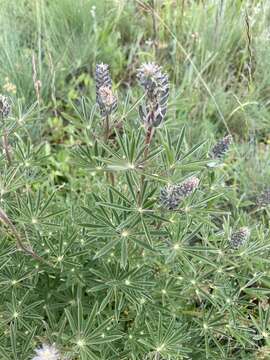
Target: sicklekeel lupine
[(47, 352), (172, 195), (219, 150), (105, 98), (5, 107), (239, 237), (221, 147), (264, 198), (156, 86), (169, 197)]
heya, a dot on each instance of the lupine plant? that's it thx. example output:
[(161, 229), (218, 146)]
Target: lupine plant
[(139, 254)]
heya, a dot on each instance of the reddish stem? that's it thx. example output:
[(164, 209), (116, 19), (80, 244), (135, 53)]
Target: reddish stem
[(148, 139), (5, 219)]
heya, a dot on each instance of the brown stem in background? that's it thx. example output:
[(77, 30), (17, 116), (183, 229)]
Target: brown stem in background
[(155, 37), (5, 219), (250, 57), (36, 81), (6, 146)]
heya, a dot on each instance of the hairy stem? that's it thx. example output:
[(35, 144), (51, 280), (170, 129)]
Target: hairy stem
[(110, 176), (107, 129), (148, 139), (6, 147)]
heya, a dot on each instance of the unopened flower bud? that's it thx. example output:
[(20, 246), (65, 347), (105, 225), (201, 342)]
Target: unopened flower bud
[(5, 107), (221, 147), (156, 86), (187, 187), (172, 195), (105, 98), (264, 198), (169, 197), (239, 237)]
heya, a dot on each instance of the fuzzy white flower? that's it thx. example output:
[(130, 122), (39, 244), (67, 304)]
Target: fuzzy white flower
[(47, 352)]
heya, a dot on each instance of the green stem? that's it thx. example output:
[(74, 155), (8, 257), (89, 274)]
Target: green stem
[(148, 139), (110, 176), (107, 129), (6, 147)]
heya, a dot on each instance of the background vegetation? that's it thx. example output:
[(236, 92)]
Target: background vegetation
[(217, 56)]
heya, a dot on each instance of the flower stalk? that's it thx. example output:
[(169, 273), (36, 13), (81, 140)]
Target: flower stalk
[(5, 110), (106, 101)]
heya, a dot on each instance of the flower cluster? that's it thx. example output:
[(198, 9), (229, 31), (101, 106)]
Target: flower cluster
[(5, 107), (47, 352), (169, 197), (156, 86), (239, 237), (221, 147), (172, 195), (105, 98), (264, 198)]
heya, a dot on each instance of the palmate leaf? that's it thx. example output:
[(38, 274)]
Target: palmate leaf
[(166, 338), (18, 345), (126, 278), (89, 156), (12, 180), (29, 154), (4, 353), (34, 210), (121, 231), (90, 331), (131, 283), (108, 247), (85, 112)]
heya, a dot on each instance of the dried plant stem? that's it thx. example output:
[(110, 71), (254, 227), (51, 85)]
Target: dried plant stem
[(5, 219), (250, 60), (155, 37), (36, 81), (6, 147)]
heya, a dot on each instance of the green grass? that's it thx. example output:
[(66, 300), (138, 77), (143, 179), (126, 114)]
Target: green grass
[(203, 45), (118, 283)]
